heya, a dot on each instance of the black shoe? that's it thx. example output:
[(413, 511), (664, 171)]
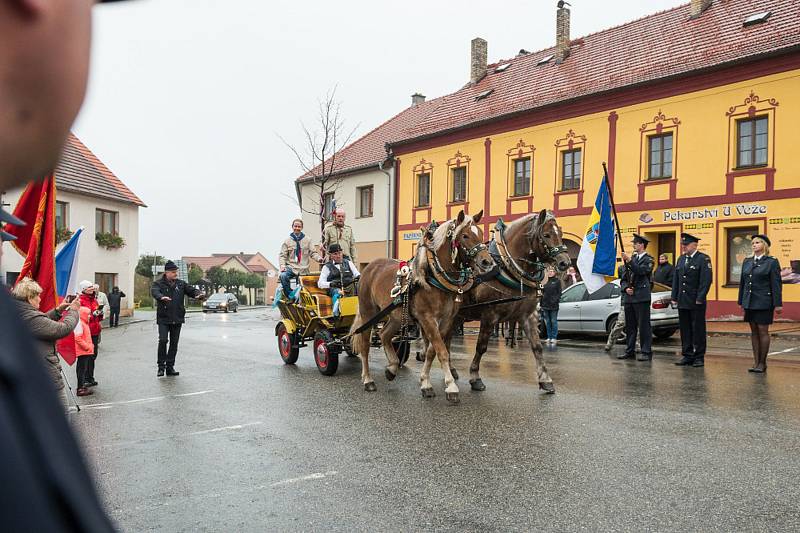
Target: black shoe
[(699, 362), (172, 372), (645, 357), (91, 383), (625, 355), (685, 361), (160, 372)]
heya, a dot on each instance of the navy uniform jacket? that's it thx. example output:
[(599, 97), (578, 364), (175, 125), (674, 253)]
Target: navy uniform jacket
[(642, 268), (691, 280), (760, 286)]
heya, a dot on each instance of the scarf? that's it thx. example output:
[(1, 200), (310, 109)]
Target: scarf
[(298, 253)]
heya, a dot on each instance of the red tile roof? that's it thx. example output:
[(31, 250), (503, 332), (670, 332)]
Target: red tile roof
[(80, 171), (665, 44), (205, 262), (370, 149)]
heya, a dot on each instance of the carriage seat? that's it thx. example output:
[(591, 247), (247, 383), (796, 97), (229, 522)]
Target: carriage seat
[(324, 302)]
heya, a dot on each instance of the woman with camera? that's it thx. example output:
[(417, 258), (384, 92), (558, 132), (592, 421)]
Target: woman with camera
[(46, 328)]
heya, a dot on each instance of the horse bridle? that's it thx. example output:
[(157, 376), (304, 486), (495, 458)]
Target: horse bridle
[(551, 251)]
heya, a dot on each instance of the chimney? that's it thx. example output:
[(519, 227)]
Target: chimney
[(417, 99), (697, 8), (562, 32), (479, 59)]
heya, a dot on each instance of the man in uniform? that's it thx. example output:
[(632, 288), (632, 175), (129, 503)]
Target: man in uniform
[(636, 274), (44, 58), (690, 284), (337, 232)]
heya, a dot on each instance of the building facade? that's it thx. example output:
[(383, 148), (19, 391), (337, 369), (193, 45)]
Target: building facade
[(89, 195), (697, 130)]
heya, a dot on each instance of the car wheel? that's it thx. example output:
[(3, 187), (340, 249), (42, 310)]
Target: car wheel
[(662, 334), (326, 357), (287, 345)]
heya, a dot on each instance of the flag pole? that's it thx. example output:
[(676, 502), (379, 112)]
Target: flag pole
[(613, 207)]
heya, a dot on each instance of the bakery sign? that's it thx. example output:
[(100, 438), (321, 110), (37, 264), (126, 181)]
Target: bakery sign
[(412, 235), (737, 210)]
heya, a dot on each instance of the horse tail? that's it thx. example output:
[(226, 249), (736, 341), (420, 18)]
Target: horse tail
[(360, 342)]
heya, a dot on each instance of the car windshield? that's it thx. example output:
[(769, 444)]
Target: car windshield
[(218, 298)]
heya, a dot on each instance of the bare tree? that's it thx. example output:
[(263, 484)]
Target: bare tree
[(319, 156)]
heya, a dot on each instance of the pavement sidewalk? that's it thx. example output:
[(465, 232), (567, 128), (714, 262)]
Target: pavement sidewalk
[(150, 315)]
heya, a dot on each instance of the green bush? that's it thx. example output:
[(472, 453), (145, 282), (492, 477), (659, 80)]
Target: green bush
[(109, 240)]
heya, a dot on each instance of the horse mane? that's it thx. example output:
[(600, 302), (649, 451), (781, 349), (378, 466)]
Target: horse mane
[(420, 263)]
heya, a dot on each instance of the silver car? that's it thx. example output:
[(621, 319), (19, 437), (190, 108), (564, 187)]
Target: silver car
[(581, 312)]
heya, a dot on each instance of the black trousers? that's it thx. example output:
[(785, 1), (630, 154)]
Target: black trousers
[(113, 319), (81, 366), (91, 359), (693, 331), (168, 333), (637, 320)]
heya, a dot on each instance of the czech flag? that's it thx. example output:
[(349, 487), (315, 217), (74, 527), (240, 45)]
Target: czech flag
[(598, 255), (37, 241), (67, 283)]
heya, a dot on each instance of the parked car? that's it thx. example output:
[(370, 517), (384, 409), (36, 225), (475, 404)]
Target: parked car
[(581, 312), (221, 301)]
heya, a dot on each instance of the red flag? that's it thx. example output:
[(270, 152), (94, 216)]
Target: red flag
[(66, 348), (37, 240)]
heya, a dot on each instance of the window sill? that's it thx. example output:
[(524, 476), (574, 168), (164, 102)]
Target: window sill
[(569, 191), (750, 167), (427, 206), (364, 216), (521, 197), (457, 202), (659, 180)]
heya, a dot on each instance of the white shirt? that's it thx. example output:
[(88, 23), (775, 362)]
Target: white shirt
[(323, 282)]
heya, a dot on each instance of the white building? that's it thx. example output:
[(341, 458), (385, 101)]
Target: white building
[(366, 186), (89, 195)]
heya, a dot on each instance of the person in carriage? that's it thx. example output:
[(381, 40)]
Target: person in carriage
[(296, 252), (339, 276)]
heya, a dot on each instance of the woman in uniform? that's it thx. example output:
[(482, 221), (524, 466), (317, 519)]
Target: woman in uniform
[(760, 297)]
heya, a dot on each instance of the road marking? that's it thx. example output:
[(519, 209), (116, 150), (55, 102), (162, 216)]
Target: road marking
[(785, 351), (317, 475), (108, 405), (225, 428)]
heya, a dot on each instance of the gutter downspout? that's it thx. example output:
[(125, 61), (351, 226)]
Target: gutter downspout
[(389, 213)]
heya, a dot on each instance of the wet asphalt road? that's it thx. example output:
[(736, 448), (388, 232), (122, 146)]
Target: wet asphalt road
[(242, 442)]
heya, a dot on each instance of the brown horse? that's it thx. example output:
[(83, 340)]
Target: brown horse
[(523, 249), (440, 273)]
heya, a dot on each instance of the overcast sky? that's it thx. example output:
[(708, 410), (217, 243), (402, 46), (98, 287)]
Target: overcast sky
[(187, 97)]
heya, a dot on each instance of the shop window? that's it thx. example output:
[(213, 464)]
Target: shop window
[(739, 248), (751, 142), (62, 210), (571, 169), (424, 189), (328, 205), (106, 221), (365, 196), (522, 176), (660, 156), (459, 184)]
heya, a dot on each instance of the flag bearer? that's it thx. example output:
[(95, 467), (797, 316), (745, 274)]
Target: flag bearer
[(636, 273)]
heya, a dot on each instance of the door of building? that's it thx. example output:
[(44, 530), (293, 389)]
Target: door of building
[(666, 245)]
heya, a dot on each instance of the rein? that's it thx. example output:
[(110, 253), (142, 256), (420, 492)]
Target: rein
[(441, 279)]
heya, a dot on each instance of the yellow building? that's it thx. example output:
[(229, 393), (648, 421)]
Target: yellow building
[(695, 110)]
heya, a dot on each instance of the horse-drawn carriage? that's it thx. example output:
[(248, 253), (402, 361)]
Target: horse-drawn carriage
[(310, 318)]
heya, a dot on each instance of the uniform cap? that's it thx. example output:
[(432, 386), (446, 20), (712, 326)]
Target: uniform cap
[(640, 240), (763, 238), (687, 238)]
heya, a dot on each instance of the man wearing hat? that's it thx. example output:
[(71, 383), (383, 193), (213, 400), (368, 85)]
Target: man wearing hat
[(168, 291), (690, 284), (338, 275), (635, 274)]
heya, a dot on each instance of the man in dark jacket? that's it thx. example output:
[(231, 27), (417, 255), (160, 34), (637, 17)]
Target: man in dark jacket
[(168, 291), (115, 303), (636, 274), (664, 271), (690, 285)]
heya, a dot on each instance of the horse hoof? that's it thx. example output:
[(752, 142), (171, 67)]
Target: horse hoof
[(549, 388), (454, 372), (477, 384), (389, 375), (370, 387), (452, 397), (428, 393)]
